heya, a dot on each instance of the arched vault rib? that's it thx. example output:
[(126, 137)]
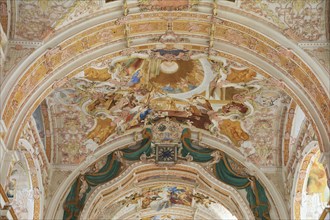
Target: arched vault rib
[(220, 192), (22, 97), (278, 205), (231, 51)]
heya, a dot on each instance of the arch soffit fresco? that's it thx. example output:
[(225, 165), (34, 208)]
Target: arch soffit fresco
[(224, 14), (137, 172), (9, 112), (130, 138), (218, 53)]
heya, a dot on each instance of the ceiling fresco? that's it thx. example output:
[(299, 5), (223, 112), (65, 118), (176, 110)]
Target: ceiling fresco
[(321, 55), (165, 202), (54, 57), (16, 53), (110, 69), (160, 197), (223, 97), (146, 5), (301, 20), (33, 22), (36, 19)]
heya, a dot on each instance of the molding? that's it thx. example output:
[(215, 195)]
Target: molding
[(231, 16), (10, 81), (254, 25), (325, 157), (63, 167), (3, 128), (313, 44), (3, 152), (278, 37), (32, 44), (234, 196), (307, 150), (271, 169), (206, 139), (2, 148), (271, 70), (251, 58), (3, 196)]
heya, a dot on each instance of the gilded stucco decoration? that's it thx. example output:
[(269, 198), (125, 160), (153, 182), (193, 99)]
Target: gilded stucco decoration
[(147, 5), (280, 57), (15, 54), (70, 126), (147, 197), (321, 55), (36, 18), (167, 66), (79, 10), (301, 20), (164, 201), (105, 100)]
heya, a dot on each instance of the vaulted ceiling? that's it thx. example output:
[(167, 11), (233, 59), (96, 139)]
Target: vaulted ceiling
[(77, 76)]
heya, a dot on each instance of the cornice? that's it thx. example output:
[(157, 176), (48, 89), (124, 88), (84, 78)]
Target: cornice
[(98, 194), (203, 138)]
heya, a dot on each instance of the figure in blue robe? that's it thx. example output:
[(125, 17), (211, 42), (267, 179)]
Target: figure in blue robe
[(144, 114), (135, 78)]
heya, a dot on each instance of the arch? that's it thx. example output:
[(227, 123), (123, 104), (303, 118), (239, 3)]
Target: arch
[(36, 179), (299, 178), (17, 186), (205, 140), (195, 171), (48, 68)]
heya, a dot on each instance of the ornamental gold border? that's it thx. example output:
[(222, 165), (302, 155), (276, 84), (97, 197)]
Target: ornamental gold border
[(114, 31)]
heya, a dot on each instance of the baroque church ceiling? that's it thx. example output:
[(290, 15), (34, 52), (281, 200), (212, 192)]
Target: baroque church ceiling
[(223, 97), (163, 65)]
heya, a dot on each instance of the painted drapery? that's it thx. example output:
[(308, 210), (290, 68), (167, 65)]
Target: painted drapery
[(199, 155), (82, 186), (145, 148), (76, 198), (256, 195), (74, 202)]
